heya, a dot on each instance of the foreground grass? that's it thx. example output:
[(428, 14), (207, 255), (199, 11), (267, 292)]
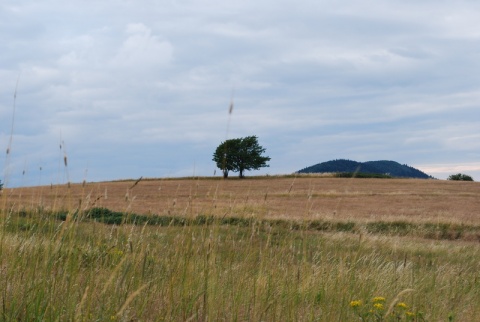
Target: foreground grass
[(77, 270)]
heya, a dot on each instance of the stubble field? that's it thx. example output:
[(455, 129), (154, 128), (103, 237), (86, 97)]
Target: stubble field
[(269, 248), (300, 198)]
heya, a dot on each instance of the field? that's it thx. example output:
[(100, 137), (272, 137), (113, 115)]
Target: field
[(260, 249)]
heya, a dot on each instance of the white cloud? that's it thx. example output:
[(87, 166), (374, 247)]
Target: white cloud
[(141, 50), (443, 171)]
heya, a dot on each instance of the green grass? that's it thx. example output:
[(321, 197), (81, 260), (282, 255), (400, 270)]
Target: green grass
[(362, 175), (449, 231), (71, 267)]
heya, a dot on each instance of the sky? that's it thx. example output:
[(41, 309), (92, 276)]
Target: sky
[(107, 90)]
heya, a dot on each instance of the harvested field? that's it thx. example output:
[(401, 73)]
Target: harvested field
[(340, 199), (258, 249)]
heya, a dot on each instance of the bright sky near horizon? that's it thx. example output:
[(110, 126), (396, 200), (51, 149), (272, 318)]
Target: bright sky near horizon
[(142, 88)]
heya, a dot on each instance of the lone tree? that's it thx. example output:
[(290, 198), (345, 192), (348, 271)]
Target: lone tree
[(238, 155), (460, 177)]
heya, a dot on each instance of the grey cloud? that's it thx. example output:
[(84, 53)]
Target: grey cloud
[(315, 80)]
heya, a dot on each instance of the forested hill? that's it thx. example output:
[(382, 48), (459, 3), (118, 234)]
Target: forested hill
[(391, 168)]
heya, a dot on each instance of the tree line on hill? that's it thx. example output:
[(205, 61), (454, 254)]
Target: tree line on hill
[(460, 177), (383, 167)]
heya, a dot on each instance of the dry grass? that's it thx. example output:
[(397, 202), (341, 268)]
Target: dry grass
[(80, 270), (337, 199)]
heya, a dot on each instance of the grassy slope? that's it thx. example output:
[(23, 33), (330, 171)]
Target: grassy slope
[(73, 270)]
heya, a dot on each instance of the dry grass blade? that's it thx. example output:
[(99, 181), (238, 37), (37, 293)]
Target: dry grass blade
[(112, 275), (136, 182), (78, 311), (396, 299), (130, 299), (10, 140)]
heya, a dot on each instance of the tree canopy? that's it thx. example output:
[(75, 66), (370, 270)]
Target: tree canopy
[(240, 154), (460, 177)]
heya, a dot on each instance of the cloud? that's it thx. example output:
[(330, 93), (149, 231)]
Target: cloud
[(143, 87), (443, 171), (142, 50)]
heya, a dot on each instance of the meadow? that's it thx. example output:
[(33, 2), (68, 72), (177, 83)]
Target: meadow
[(287, 248)]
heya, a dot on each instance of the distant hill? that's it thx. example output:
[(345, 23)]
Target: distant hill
[(391, 168)]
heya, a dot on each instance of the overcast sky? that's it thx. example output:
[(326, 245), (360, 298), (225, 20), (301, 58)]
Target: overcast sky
[(125, 89)]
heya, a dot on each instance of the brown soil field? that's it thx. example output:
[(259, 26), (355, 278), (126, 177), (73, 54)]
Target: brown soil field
[(300, 198)]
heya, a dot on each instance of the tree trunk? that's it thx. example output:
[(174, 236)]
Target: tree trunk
[(225, 174)]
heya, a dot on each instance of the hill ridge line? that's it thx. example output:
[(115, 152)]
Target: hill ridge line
[(384, 167)]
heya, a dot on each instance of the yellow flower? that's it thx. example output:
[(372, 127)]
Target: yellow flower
[(355, 303), (410, 314), (378, 306), (378, 299), (402, 305)]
